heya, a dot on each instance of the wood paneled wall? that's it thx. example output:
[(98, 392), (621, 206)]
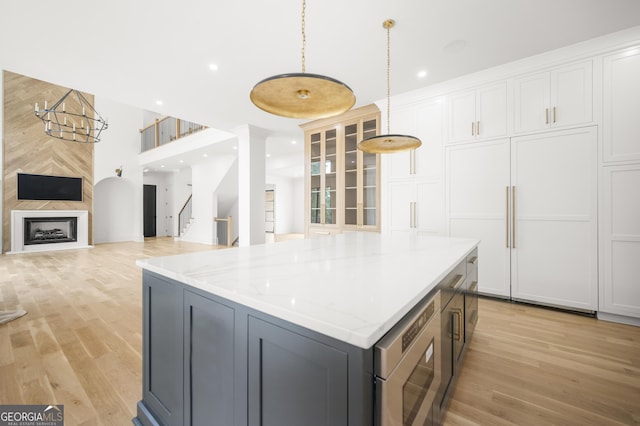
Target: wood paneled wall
[(28, 149)]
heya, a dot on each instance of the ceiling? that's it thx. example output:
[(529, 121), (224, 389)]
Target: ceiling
[(141, 52)]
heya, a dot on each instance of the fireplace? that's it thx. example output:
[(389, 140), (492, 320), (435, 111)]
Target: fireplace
[(44, 230), (50, 230)]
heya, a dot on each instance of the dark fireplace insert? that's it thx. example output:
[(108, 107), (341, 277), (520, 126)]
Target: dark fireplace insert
[(49, 230)]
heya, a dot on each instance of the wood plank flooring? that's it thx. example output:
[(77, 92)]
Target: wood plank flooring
[(80, 345)]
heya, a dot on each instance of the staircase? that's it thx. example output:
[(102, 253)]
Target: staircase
[(184, 217)]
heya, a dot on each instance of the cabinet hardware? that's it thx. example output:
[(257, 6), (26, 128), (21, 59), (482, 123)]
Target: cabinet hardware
[(457, 325), (410, 214), (478, 128), (546, 114), (554, 114), (506, 221), (456, 281), (473, 260), (472, 129), (513, 216)]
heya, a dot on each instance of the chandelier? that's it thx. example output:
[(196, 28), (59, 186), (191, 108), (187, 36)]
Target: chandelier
[(388, 143), (302, 95), (72, 118)]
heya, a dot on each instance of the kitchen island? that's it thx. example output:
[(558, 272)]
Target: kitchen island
[(280, 333)]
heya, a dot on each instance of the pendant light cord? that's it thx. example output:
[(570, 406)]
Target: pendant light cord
[(388, 79), (304, 36)]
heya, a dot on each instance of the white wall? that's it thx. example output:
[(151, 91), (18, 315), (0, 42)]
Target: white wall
[(180, 190), (114, 210), (288, 203), (119, 147), (206, 177), (1, 143)]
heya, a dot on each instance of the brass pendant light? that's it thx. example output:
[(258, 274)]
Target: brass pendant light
[(302, 95), (383, 144)]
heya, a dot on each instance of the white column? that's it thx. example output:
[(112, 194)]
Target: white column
[(251, 183)]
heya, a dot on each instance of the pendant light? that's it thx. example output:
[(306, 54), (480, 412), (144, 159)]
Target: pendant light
[(388, 143), (302, 95)]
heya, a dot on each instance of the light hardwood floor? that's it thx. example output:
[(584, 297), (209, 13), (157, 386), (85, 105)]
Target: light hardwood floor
[(80, 345)]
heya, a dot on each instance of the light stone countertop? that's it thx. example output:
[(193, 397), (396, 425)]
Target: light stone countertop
[(353, 287)]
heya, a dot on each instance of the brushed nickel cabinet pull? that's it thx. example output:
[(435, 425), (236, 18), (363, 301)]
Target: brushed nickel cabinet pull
[(456, 281), (410, 214), (513, 216), (415, 214), (506, 221), (472, 129), (546, 114), (554, 114), (478, 128), (473, 260)]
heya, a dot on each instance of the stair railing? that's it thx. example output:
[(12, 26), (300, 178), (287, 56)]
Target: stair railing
[(185, 214), (165, 130)]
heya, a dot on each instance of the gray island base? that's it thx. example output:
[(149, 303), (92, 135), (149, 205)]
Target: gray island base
[(286, 334)]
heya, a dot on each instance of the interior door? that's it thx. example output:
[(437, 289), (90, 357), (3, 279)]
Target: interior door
[(478, 178), (149, 210), (554, 189)]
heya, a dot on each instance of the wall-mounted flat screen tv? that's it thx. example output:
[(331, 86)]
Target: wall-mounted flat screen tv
[(49, 188)]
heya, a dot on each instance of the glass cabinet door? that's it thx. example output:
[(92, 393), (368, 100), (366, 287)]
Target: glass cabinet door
[(369, 177), (330, 176), (351, 174), (360, 176), (315, 169)]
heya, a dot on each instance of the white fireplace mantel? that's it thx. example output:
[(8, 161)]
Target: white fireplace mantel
[(17, 230)]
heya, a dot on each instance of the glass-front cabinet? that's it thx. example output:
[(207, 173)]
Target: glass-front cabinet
[(342, 184)]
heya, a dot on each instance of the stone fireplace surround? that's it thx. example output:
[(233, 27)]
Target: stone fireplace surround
[(17, 230)]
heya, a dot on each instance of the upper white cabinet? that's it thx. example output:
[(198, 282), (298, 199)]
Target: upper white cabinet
[(557, 98), (621, 91), (480, 113), (425, 122)]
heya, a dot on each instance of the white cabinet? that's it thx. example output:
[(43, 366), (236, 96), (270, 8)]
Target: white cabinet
[(416, 206), (424, 121), (480, 113), (477, 182), (621, 91), (620, 289), (561, 97), (414, 194), (532, 200)]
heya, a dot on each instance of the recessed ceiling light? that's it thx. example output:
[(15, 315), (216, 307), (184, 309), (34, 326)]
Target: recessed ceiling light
[(213, 67), (293, 142), (181, 161), (162, 165), (205, 155), (159, 102), (235, 147), (268, 155), (422, 74), (145, 170)]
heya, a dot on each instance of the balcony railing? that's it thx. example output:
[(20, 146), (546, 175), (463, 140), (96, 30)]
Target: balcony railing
[(166, 130)]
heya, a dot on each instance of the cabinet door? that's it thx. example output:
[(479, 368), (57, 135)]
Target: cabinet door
[(478, 178), (402, 198), (429, 210), (329, 171), (294, 380), (620, 292), (554, 251), (429, 127), (571, 95), (531, 103), (351, 178), (491, 111), (620, 125), (462, 116), (162, 348), (209, 369)]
